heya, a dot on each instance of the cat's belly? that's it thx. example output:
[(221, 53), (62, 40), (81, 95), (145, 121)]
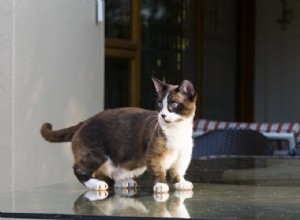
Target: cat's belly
[(118, 173)]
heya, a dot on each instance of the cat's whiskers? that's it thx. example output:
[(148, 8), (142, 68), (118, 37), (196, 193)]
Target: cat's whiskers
[(156, 126)]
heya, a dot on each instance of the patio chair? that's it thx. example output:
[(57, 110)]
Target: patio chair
[(284, 137), (230, 142)]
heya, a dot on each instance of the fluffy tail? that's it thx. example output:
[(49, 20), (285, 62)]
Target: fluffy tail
[(63, 135)]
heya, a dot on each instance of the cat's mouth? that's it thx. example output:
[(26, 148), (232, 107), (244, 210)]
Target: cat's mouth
[(169, 121), (165, 121)]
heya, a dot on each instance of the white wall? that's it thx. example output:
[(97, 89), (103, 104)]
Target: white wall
[(5, 95), (277, 62), (51, 66)]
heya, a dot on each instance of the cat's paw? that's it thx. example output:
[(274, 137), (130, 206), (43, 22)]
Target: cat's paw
[(183, 194), (161, 197), (161, 188), (128, 183), (127, 192), (95, 184), (183, 185), (96, 195)]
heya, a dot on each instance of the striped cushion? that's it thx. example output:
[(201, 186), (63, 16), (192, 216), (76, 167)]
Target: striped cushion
[(202, 126), (217, 157)]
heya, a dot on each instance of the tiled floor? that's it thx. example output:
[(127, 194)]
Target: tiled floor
[(236, 197)]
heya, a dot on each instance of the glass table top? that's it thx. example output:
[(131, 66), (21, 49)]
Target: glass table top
[(247, 193)]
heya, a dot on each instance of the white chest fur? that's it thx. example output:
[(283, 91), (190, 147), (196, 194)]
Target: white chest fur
[(179, 141), (179, 134)]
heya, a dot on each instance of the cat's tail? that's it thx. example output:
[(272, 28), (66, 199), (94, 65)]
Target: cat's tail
[(63, 135)]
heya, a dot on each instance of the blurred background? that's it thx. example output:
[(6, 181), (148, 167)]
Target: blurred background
[(62, 64)]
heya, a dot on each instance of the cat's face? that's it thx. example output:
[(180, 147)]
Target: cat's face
[(175, 103)]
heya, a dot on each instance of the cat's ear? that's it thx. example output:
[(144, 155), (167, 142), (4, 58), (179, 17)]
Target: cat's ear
[(159, 85), (187, 88)]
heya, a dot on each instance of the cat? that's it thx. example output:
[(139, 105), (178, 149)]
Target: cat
[(122, 143)]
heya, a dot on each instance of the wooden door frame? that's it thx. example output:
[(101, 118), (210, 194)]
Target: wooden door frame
[(245, 66), (199, 58), (245, 60), (131, 51)]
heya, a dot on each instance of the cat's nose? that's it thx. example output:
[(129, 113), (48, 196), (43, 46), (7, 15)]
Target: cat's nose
[(163, 116)]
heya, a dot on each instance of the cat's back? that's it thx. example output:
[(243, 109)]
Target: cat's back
[(125, 114), (126, 120)]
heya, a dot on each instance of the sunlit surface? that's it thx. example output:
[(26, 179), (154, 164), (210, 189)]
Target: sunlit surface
[(249, 193)]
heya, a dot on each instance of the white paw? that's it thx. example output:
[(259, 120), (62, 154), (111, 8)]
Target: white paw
[(95, 184), (128, 183), (96, 195), (184, 185), (183, 194), (161, 188), (161, 197), (128, 192)]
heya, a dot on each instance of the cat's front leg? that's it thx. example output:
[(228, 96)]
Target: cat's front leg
[(161, 188), (179, 181), (179, 168), (159, 176), (161, 185), (183, 185)]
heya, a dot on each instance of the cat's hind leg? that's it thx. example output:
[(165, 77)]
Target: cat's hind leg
[(126, 183), (85, 168), (95, 184), (124, 177)]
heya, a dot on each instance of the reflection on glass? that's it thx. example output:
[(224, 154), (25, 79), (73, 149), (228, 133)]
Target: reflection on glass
[(126, 202), (118, 19), (224, 188), (116, 82)]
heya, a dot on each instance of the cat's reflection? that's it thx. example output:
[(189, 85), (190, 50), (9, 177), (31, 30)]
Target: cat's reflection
[(128, 202)]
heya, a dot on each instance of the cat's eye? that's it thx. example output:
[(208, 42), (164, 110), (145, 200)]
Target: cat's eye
[(174, 105), (160, 105)]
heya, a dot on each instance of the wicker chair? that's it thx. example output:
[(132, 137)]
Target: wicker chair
[(230, 142), (284, 138)]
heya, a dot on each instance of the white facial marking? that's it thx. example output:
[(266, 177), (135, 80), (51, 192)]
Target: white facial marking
[(179, 141), (165, 116)]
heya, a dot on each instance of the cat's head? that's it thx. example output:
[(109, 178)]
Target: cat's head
[(175, 103)]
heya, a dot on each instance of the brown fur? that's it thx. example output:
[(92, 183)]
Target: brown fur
[(63, 135), (130, 137), (134, 129)]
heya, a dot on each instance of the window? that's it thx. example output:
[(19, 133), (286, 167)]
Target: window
[(122, 52), (207, 42)]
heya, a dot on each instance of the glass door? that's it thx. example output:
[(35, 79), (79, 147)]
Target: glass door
[(122, 53)]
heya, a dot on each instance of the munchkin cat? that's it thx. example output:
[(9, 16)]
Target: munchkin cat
[(121, 144)]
